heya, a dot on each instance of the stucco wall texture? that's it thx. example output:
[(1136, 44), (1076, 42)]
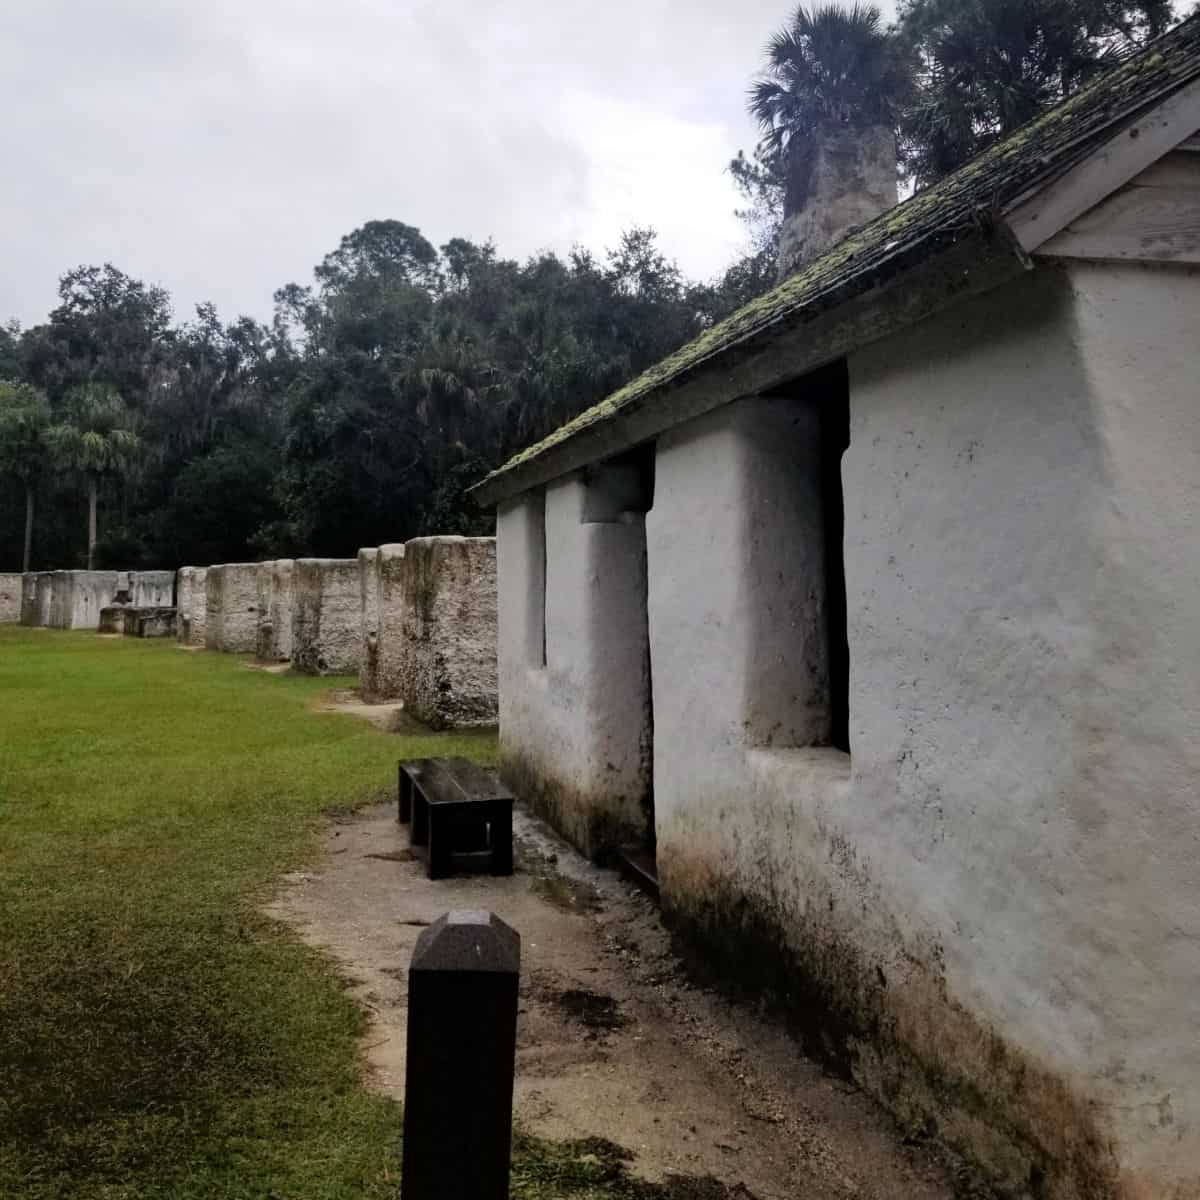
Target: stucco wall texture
[(11, 590), (988, 900), (327, 626), (192, 600), (231, 608), (574, 675), (1025, 732), (448, 658)]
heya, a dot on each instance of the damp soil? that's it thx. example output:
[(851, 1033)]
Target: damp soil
[(704, 1097)]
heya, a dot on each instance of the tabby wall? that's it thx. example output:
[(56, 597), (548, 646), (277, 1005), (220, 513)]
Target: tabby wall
[(448, 631), (389, 666), (193, 605), (368, 597), (231, 598), (276, 609), (11, 586), (327, 629)]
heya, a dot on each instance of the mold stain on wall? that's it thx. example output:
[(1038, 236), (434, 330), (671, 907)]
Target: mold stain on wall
[(943, 1074)]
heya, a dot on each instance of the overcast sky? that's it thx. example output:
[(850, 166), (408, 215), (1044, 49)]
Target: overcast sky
[(222, 147)]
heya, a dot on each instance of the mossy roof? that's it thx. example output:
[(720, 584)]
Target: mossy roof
[(919, 227)]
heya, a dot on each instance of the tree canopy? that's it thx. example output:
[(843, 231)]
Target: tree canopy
[(360, 414), (950, 76)]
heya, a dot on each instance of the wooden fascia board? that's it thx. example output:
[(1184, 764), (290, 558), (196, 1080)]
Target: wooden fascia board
[(1038, 216)]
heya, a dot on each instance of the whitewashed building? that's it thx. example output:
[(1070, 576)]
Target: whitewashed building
[(874, 615)]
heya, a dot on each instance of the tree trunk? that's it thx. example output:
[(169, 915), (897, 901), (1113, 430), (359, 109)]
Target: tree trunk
[(92, 489), (28, 527)]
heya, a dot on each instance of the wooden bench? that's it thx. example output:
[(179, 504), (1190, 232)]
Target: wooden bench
[(455, 806)]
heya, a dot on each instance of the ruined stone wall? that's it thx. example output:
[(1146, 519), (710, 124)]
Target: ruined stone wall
[(231, 608), (11, 590), (276, 604), (76, 598), (368, 595), (574, 672), (193, 605), (327, 629), (152, 589), (60, 599), (29, 607), (43, 599), (389, 666), (149, 622), (449, 631)]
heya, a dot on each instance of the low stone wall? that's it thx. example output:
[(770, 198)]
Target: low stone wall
[(276, 604), (128, 620), (449, 631), (231, 608), (112, 620), (11, 587), (416, 620), (368, 594), (389, 648), (151, 622), (327, 628), (193, 605)]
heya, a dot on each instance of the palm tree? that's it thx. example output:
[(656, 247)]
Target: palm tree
[(24, 419), (827, 105), (95, 439), (984, 70)]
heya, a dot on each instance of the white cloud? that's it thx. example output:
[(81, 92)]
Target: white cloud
[(222, 148)]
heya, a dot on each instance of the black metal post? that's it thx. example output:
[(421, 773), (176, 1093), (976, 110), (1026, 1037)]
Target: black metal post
[(462, 1038)]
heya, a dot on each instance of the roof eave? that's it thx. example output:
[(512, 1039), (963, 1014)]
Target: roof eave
[(875, 308)]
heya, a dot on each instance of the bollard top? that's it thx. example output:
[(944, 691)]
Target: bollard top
[(468, 940)]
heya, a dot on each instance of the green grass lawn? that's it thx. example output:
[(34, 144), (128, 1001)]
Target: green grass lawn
[(157, 1036)]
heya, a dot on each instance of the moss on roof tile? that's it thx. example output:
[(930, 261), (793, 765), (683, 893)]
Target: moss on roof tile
[(1034, 155)]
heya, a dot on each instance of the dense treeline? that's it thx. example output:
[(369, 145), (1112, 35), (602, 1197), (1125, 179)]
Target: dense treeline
[(358, 415), (378, 393)]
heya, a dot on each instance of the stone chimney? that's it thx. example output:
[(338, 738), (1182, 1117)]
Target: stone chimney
[(848, 178)]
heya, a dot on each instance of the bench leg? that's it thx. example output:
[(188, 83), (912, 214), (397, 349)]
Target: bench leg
[(419, 836), (441, 843), (501, 836), (404, 798)]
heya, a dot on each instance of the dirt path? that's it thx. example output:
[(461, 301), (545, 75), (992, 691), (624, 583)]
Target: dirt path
[(613, 1041)]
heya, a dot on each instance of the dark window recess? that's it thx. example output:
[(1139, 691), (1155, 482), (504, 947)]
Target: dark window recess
[(835, 438), (620, 486)]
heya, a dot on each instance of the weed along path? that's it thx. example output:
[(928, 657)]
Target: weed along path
[(701, 1099)]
